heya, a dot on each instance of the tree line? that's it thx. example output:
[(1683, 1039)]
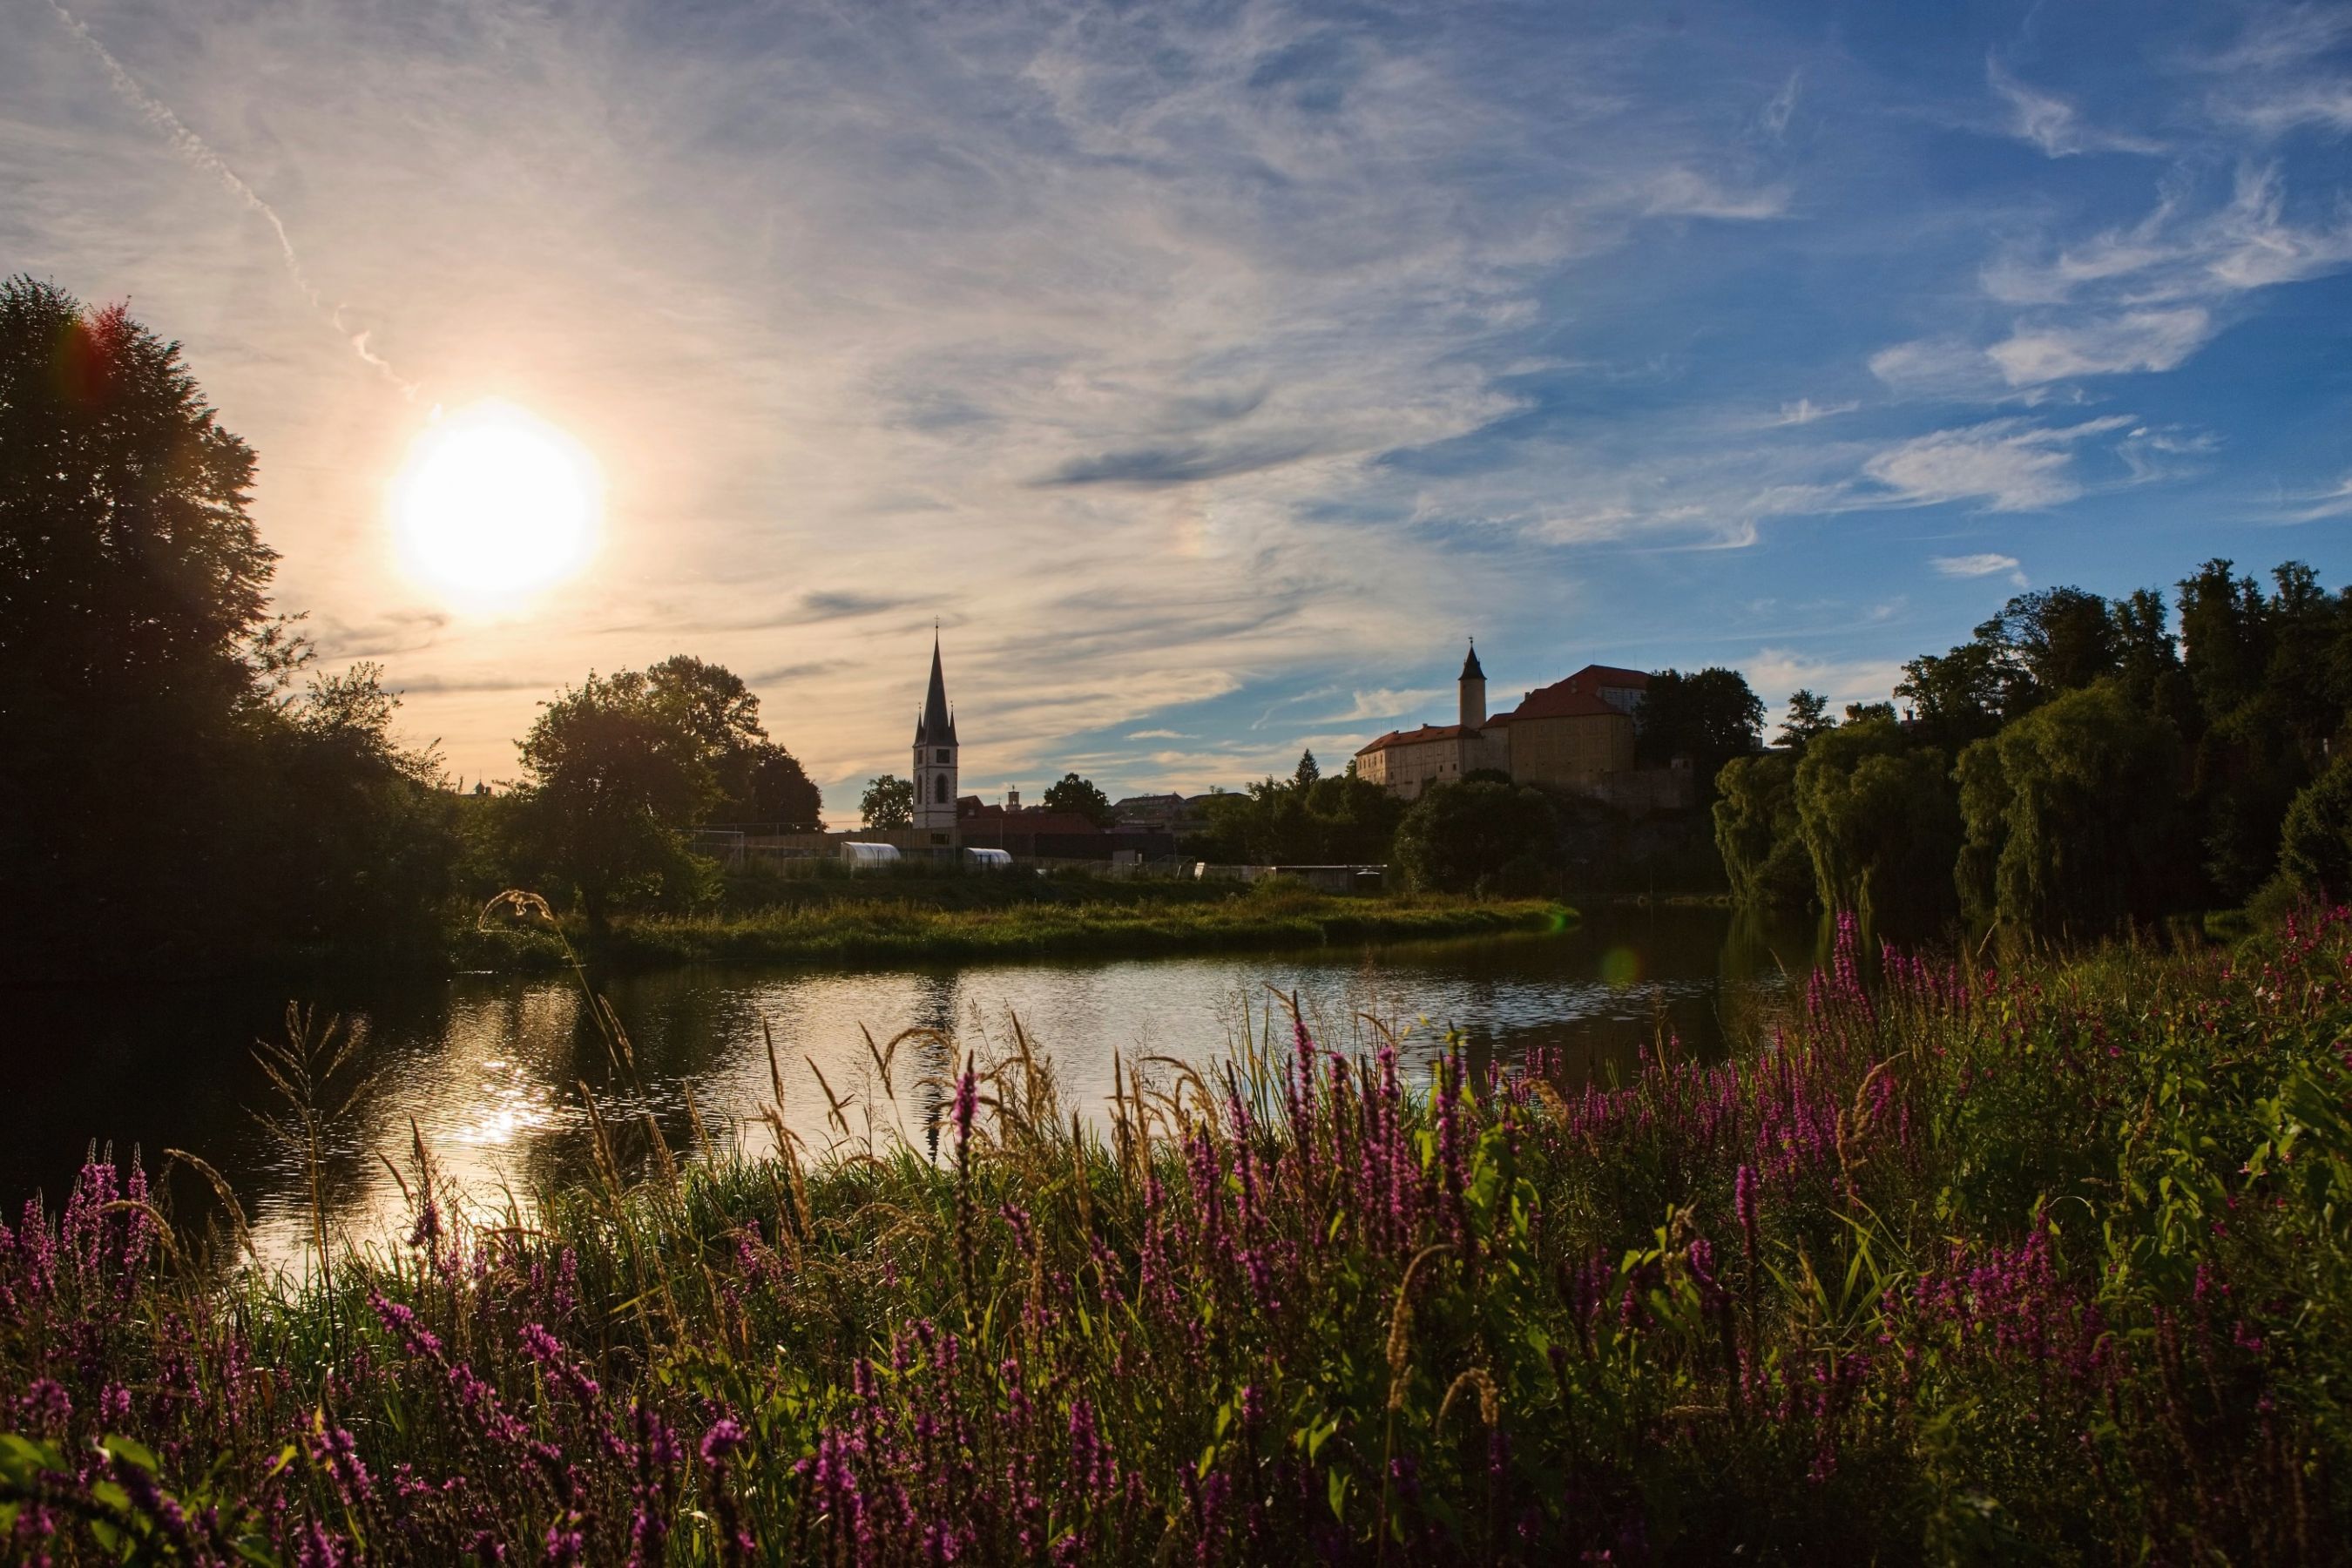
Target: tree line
[(2078, 764)]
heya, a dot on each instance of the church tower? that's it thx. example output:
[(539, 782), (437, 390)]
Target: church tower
[(1474, 693), (935, 759)]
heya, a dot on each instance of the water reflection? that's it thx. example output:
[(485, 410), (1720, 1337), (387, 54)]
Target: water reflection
[(493, 1073)]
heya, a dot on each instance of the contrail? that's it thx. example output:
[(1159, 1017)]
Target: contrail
[(192, 147)]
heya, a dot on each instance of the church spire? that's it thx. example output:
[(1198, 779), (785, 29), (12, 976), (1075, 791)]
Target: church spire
[(936, 722), (937, 726)]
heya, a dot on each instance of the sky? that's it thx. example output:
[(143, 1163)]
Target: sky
[(1209, 373)]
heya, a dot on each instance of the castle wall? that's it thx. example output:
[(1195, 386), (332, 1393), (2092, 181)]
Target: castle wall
[(1575, 750)]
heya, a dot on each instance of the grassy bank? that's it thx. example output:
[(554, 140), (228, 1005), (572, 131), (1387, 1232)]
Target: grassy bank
[(2043, 1265), (1101, 922)]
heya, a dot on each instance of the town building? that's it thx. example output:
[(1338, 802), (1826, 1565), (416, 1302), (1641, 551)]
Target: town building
[(1575, 734)]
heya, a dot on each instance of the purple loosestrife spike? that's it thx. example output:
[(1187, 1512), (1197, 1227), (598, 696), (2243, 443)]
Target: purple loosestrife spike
[(1743, 1204), (967, 1102)]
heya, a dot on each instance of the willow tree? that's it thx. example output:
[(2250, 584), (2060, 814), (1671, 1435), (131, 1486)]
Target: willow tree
[(1879, 822), (2075, 819), (1757, 834)]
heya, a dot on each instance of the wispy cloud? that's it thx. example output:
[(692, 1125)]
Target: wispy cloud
[(1804, 410), (2135, 341), (1987, 563), (2311, 508), (1161, 735), (2279, 75), (2008, 465), (2053, 125), (1383, 703), (1782, 105)]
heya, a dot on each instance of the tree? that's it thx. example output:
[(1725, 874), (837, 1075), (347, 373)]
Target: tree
[(1073, 794), (615, 780), (1879, 822), (1307, 773), (1757, 834), (1477, 838), (2315, 844), (766, 784), (758, 779), (2054, 640), (2224, 641), (1955, 698), (888, 802), (366, 844), (2074, 817), (2148, 657), (1341, 819), (1809, 715), (1710, 716), (177, 808)]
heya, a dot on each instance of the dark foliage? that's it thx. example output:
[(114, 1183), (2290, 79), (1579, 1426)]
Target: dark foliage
[(1709, 716), (1082, 797), (1478, 837), (166, 804)]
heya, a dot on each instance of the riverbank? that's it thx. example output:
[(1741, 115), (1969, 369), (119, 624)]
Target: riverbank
[(1847, 1298), (900, 930)]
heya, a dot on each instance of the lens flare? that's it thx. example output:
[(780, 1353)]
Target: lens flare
[(1621, 966)]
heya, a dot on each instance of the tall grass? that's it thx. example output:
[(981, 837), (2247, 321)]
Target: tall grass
[(1950, 1266)]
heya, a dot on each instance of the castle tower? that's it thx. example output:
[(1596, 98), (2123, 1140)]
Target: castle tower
[(935, 759), (1474, 692)]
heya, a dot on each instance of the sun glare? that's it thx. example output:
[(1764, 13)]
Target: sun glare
[(494, 504)]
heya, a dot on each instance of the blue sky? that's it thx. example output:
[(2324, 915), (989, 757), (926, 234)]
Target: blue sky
[(1211, 371)]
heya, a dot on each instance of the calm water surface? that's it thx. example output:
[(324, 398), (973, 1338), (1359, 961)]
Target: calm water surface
[(488, 1068)]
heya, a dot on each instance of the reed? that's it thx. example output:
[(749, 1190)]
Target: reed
[(1951, 1264)]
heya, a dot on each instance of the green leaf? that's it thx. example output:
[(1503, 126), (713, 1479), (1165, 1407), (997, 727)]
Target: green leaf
[(1335, 1487), (130, 1450)]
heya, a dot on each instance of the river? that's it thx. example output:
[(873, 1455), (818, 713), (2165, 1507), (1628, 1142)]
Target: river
[(488, 1069)]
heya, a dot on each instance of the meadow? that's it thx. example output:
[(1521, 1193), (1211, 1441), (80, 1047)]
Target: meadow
[(954, 920), (2037, 1262)]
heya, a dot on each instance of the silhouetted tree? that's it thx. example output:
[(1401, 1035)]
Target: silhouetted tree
[(888, 802), (615, 779), (1709, 716), (1956, 698), (162, 794), (1809, 715), (758, 781), (1073, 794)]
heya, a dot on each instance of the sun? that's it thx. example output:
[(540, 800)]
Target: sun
[(494, 504)]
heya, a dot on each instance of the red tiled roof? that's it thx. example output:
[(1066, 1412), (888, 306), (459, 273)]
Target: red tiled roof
[(1562, 700), (1412, 737), (1610, 675)]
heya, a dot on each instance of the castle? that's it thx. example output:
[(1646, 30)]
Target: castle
[(1576, 733)]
